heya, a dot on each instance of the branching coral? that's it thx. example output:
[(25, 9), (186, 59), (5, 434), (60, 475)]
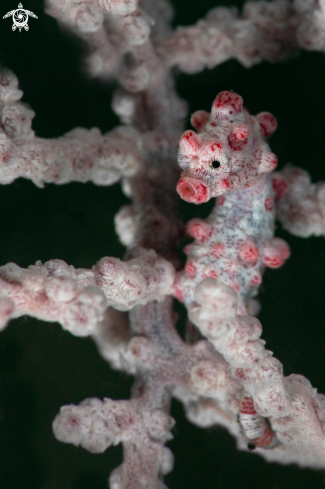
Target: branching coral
[(222, 373)]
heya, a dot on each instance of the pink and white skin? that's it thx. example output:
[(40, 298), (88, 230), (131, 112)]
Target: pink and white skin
[(229, 158)]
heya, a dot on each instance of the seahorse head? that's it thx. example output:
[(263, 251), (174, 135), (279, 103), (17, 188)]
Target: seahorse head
[(228, 151)]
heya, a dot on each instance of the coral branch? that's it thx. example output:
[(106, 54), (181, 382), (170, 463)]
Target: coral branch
[(111, 28), (95, 425), (300, 204), (79, 155), (54, 298), (144, 277), (271, 31), (222, 373), (287, 401), (56, 291), (264, 30), (160, 361)]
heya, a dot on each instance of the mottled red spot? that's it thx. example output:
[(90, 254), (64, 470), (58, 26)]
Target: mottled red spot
[(240, 374), (237, 145), (199, 230), (210, 274), (268, 203), (272, 258), (225, 183), (280, 186), (105, 268), (256, 279), (202, 374), (240, 132), (273, 161), (226, 99), (247, 405), (249, 253), (213, 124), (267, 123), (5, 154), (216, 146), (84, 162), (275, 253), (218, 250), (189, 142), (269, 162), (190, 269), (74, 421), (199, 119), (231, 266), (136, 351)]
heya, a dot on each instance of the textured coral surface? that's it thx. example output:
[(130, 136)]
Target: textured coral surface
[(44, 368)]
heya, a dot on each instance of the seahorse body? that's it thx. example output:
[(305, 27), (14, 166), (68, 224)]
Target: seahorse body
[(229, 158)]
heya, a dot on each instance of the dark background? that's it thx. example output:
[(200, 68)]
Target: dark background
[(41, 366)]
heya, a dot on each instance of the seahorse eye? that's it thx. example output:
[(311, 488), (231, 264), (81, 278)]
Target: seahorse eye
[(215, 164)]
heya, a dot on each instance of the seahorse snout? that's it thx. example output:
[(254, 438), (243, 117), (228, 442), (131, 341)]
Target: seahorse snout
[(193, 190)]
